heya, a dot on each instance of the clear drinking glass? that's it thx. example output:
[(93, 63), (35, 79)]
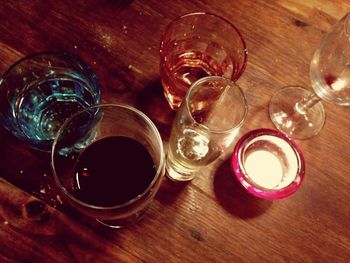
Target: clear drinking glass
[(299, 112), (205, 126), (39, 92), (268, 164), (108, 161), (197, 45)]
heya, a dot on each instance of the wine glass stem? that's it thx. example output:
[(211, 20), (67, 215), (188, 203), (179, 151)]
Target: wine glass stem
[(306, 103)]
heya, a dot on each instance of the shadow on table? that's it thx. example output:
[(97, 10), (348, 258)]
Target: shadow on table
[(170, 191), (26, 168), (152, 102), (233, 198)]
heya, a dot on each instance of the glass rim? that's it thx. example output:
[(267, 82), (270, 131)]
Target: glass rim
[(87, 75), (245, 49), (346, 17), (260, 191), (38, 54), (231, 82), (160, 166), (345, 27)]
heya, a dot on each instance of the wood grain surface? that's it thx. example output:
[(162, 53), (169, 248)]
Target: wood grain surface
[(210, 219)]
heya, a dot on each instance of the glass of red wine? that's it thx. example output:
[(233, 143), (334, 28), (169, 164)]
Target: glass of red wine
[(299, 112), (108, 161)]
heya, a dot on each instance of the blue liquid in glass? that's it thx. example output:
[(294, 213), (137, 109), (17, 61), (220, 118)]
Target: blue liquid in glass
[(43, 106)]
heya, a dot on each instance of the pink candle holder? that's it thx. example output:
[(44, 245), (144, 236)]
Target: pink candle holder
[(268, 164)]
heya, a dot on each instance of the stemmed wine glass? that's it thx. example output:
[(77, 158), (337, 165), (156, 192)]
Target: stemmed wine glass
[(299, 112)]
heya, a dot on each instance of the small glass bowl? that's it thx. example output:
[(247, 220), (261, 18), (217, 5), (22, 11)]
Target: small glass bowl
[(268, 164)]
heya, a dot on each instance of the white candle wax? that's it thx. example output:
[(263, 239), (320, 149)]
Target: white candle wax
[(264, 168), (267, 169)]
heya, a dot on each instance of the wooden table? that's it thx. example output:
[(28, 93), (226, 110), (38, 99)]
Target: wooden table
[(210, 219)]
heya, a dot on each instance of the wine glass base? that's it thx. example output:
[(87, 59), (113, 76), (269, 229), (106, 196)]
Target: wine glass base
[(288, 119), (124, 222)]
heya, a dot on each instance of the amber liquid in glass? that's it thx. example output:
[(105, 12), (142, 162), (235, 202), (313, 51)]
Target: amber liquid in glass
[(180, 68)]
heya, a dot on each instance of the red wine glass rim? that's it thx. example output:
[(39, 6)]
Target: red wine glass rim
[(158, 173)]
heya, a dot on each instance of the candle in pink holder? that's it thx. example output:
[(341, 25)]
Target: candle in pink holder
[(268, 164)]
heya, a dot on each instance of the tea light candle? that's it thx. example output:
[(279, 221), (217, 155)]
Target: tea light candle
[(272, 164), (264, 168), (268, 164)]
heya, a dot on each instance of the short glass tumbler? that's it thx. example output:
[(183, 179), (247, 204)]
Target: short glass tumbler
[(197, 45), (108, 161), (205, 126), (268, 164), (39, 92)]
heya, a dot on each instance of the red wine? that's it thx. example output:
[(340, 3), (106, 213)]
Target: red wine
[(330, 80), (112, 171)]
